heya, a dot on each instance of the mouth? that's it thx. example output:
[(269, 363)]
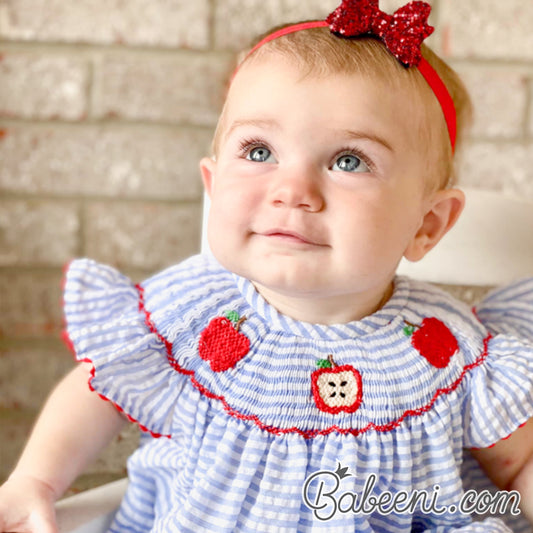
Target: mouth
[(289, 236)]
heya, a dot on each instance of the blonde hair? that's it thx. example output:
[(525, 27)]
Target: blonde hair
[(318, 52)]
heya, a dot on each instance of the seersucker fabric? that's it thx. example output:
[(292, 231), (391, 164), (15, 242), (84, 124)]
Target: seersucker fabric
[(232, 435)]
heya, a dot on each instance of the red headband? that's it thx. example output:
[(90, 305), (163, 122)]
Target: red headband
[(402, 33)]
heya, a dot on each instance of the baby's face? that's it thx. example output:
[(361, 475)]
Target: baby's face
[(318, 187)]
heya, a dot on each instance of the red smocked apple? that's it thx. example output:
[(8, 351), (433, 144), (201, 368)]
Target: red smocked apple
[(433, 340), (336, 388), (221, 343)]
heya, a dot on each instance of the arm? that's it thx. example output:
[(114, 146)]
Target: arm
[(509, 464), (74, 426), (523, 483)]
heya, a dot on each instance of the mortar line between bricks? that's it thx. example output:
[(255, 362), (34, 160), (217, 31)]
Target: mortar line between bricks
[(29, 269), (105, 122), (436, 12), (211, 26), (528, 112), (15, 343), (82, 218), (37, 197), (51, 270), (503, 63), (501, 141), (86, 48), (89, 89)]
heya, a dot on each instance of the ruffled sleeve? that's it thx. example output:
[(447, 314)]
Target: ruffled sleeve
[(502, 387), (106, 326), (509, 310), (502, 398), (501, 391)]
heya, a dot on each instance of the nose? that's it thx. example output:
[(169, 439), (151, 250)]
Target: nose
[(297, 188)]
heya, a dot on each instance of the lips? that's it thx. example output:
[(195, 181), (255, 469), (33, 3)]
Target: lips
[(290, 236)]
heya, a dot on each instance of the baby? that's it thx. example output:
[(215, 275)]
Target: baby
[(291, 382)]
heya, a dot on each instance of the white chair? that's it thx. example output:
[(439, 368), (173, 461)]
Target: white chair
[(491, 244), (90, 511)]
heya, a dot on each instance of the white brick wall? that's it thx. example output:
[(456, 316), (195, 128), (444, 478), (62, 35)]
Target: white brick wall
[(40, 86), (167, 23), (30, 307), (500, 97), (505, 166), (176, 88), (37, 232), (238, 22), (488, 29), (143, 235), (106, 106), (103, 159)]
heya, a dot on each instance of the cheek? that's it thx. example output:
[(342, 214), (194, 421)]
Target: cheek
[(397, 226), (373, 231), (230, 215), (236, 202)]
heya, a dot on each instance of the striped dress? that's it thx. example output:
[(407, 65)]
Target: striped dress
[(257, 422)]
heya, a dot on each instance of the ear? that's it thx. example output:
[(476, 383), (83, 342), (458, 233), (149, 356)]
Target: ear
[(442, 213), (207, 168)]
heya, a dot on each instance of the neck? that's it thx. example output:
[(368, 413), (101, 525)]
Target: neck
[(339, 309)]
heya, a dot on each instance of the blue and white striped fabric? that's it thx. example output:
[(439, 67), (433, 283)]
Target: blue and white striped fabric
[(230, 451), (509, 310)]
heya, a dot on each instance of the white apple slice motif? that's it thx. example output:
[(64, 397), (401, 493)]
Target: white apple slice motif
[(336, 388)]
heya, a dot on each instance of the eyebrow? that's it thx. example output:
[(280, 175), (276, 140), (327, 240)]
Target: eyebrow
[(258, 123), (273, 124), (362, 135)]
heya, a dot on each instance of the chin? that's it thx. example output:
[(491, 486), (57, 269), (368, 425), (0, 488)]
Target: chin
[(234, 263), (289, 279), (287, 283)]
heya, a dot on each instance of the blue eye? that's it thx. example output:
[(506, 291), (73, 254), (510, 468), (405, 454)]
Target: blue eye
[(259, 154), (350, 163)]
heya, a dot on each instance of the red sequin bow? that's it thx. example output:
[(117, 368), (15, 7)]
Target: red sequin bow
[(402, 32)]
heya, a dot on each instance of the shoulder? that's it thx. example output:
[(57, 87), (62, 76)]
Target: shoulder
[(201, 268), (509, 309), (428, 301), (428, 296), (196, 279), (95, 290)]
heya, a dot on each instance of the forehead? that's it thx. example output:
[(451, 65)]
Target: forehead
[(275, 86)]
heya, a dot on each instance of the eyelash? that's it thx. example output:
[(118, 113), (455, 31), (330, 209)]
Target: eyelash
[(248, 144)]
